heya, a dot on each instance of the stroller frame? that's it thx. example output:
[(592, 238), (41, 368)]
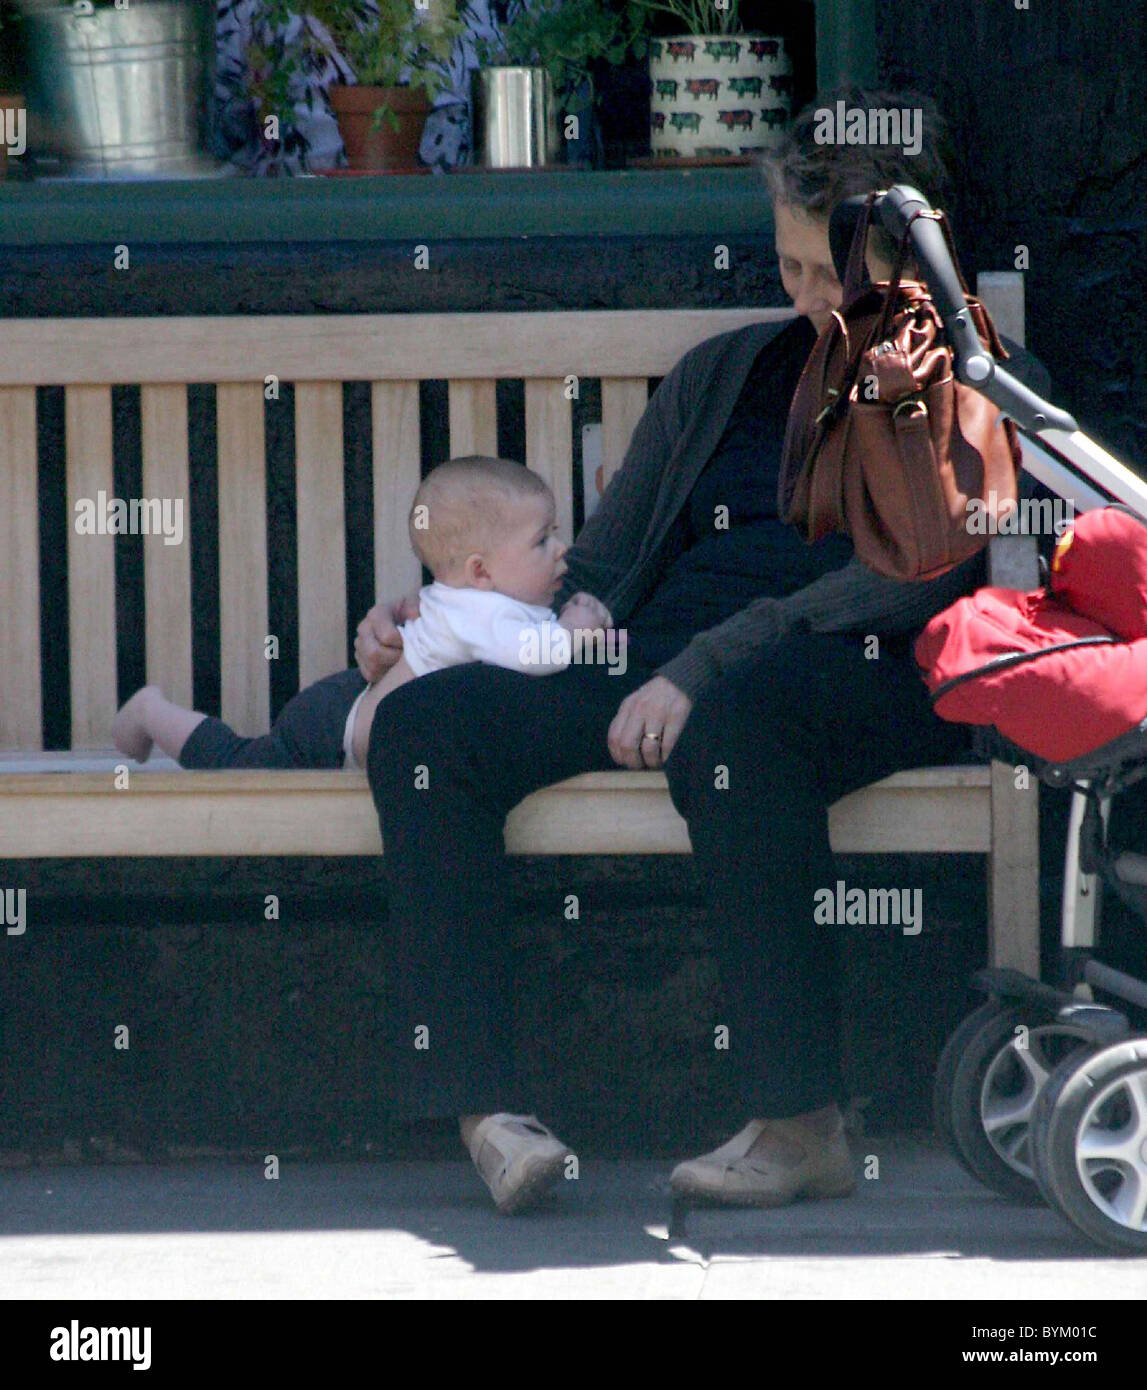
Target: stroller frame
[(1090, 865), (1043, 1091)]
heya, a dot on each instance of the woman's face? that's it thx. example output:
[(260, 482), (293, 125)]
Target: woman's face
[(807, 272)]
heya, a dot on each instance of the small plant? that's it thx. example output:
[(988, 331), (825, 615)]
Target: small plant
[(379, 40), (383, 42), (698, 16), (274, 61), (565, 37)]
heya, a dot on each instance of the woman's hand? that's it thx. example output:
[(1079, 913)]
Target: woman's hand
[(378, 642), (658, 707)]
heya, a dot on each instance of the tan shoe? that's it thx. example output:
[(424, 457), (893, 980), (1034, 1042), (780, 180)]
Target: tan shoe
[(518, 1158), (730, 1176)]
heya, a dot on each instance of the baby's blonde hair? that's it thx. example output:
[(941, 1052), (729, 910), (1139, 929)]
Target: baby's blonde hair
[(461, 507)]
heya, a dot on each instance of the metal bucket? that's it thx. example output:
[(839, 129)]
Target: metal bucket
[(515, 117), (119, 92)]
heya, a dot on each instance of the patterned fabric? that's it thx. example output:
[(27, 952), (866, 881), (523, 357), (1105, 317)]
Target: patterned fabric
[(316, 143)]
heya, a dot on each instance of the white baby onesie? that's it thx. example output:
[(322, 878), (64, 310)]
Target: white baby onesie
[(458, 625)]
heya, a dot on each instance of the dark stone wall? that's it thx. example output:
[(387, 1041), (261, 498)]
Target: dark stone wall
[(249, 1034), (508, 275), (1049, 105)]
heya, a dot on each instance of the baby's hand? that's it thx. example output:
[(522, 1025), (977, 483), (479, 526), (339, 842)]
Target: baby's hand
[(580, 616), (583, 610)]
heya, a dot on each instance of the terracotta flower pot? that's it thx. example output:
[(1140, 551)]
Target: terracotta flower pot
[(385, 148)]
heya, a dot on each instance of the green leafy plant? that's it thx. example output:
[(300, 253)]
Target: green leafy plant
[(401, 37), (273, 62), (698, 16), (565, 37)]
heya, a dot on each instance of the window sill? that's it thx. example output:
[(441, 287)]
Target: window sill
[(628, 202)]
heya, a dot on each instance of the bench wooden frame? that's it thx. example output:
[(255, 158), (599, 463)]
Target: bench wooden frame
[(59, 804)]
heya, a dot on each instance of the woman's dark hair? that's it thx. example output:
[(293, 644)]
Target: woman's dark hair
[(813, 178)]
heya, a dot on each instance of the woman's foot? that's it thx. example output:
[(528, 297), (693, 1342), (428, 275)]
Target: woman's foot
[(517, 1157), (772, 1162), (130, 726)]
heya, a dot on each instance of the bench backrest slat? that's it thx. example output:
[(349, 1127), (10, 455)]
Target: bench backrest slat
[(320, 517), (1002, 292), (245, 684), (91, 565), (549, 444), (167, 568), (398, 457), (1013, 561), (473, 411), (623, 402), (21, 725)]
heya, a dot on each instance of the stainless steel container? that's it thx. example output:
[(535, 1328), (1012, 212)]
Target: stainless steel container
[(118, 92), (515, 117)]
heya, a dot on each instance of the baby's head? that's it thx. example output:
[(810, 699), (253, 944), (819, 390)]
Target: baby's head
[(486, 523)]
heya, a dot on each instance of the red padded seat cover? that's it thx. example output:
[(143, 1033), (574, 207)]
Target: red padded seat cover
[(1100, 569), (1063, 704)]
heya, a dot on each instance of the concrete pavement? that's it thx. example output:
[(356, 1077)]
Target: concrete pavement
[(216, 1230)]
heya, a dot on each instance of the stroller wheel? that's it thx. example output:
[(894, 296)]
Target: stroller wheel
[(943, 1091), (989, 1078), (1089, 1138)]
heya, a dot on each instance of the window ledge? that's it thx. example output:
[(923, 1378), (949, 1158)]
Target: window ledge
[(628, 202)]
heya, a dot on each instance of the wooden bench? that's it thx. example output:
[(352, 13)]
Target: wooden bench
[(67, 803)]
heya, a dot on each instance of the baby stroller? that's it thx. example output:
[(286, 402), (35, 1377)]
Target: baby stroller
[(1042, 1091)]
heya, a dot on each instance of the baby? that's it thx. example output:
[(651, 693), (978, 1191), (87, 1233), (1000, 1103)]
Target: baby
[(486, 530)]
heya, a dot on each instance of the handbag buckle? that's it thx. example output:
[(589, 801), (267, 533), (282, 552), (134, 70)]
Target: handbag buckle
[(910, 403)]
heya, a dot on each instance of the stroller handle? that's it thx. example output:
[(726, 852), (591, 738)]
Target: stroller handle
[(904, 209)]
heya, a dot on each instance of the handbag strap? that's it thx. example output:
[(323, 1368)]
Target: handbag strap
[(946, 228), (894, 282), (854, 268), (854, 272), (937, 215)]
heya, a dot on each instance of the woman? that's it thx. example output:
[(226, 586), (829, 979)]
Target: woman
[(748, 682)]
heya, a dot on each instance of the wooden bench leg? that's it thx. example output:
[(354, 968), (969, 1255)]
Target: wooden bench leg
[(1013, 873)]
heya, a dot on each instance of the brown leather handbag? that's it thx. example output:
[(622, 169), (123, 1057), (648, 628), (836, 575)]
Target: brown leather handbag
[(883, 442)]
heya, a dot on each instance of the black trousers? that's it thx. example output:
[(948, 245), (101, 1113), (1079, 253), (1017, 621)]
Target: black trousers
[(307, 733), (762, 756)]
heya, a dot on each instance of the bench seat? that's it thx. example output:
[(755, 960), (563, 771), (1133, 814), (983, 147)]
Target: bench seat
[(58, 804)]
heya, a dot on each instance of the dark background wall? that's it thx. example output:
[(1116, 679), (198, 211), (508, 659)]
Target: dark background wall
[(1049, 106)]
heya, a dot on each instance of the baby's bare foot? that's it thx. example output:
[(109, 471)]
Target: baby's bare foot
[(129, 728)]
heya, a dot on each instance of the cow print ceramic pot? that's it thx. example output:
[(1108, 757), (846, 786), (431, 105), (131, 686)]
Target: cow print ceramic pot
[(718, 95)]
